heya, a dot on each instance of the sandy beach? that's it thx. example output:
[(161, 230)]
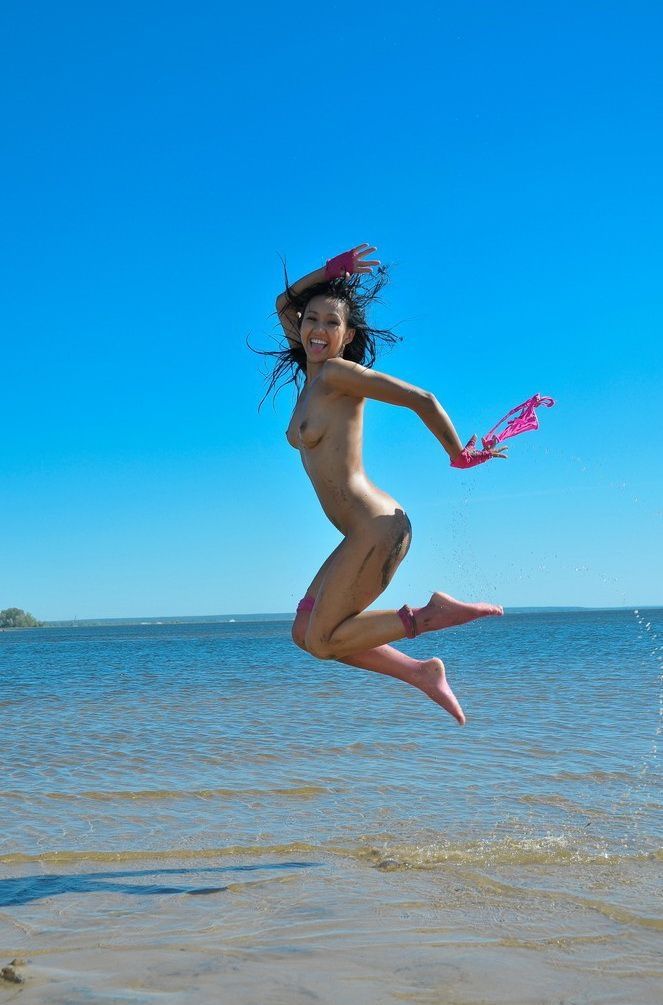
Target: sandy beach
[(298, 927)]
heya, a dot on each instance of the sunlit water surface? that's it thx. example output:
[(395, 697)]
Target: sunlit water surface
[(153, 762)]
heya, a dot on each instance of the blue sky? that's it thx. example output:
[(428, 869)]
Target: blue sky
[(156, 160)]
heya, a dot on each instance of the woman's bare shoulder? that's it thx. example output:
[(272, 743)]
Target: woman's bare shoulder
[(345, 377)]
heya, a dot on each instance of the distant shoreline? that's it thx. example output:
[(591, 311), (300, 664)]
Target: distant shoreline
[(281, 616)]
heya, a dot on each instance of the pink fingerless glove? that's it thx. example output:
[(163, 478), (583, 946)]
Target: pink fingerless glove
[(336, 268), (469, 457)]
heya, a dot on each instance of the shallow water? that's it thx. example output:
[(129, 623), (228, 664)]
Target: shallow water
[(214, 787)]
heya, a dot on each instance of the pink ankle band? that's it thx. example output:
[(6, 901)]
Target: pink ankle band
[(307, 603), (406, 614)]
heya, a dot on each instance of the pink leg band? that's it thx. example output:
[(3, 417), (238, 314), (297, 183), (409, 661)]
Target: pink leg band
[(406, 614), (307, 603)]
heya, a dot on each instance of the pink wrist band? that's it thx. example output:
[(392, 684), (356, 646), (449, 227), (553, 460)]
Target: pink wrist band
[(469, 457), (336, 268)]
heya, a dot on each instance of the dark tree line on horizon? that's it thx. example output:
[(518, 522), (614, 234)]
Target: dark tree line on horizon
[(14, 617)]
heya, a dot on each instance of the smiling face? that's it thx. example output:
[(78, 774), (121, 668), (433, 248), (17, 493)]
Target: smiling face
[(324, 330)]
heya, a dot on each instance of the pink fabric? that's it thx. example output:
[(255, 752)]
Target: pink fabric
[(337, 267), (525, 420), (307, 603)]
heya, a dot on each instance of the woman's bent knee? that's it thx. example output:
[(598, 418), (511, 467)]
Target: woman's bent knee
[(299, 631), (317, 647), (307, 641)]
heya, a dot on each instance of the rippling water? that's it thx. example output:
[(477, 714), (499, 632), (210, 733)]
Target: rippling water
[(202, 736), (191, 745)]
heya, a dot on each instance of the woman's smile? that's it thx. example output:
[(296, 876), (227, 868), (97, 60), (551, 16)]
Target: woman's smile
[(317, 345)]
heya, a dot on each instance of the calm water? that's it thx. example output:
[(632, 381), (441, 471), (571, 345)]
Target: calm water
[(195, 744), (203, 736)]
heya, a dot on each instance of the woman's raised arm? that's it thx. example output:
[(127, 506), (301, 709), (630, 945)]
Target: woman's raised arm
[(345, 264), (288, 315)]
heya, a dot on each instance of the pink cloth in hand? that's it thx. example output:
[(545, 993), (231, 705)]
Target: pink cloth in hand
[(469, 457), (524, 419), (336, 268), (521, 423)]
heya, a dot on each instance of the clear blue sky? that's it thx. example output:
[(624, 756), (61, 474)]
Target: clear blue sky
[(158, 157)]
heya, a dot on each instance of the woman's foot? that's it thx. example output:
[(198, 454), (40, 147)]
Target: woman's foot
[(443, 611), (432, 681)]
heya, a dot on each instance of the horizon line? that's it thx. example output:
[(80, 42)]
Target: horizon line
[(283, 615)]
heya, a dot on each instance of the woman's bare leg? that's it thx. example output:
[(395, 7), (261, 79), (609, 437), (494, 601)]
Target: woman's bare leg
[(354, 576), (376, 628), (426, 675)]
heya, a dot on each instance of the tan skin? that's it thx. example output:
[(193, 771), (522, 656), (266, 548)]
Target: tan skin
[(327, 427)]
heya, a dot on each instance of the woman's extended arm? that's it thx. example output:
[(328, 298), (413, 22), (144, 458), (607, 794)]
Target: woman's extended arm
[(440, 425), (344, 377)]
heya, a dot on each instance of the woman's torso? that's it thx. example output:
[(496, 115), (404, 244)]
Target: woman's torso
[(327, 429)]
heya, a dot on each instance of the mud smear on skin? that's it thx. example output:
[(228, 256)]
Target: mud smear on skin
[(365, 562), (397, 553)]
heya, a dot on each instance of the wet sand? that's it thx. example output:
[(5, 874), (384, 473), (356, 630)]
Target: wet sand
[(301, 926)]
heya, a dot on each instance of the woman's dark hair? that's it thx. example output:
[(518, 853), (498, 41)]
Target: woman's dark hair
[(357, 292)]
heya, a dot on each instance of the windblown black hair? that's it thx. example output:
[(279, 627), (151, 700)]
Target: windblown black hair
[(358, 292)]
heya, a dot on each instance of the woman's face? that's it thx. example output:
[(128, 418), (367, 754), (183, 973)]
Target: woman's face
[(323, 329)]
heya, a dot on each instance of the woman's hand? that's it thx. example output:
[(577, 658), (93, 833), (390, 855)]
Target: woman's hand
[(469, 457), (350, 262)]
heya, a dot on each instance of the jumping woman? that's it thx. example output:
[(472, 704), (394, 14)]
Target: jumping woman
[(329, 354)]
